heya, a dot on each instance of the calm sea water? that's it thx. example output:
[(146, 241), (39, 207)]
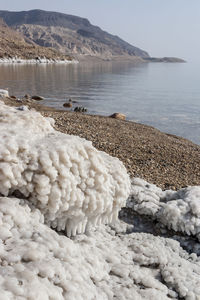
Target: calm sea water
[(166, 96)]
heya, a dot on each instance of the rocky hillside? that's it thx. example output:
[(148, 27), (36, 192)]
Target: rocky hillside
[(69, 34), (13, 44)]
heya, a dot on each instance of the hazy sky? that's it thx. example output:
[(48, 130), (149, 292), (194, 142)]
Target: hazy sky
[(161, 27)]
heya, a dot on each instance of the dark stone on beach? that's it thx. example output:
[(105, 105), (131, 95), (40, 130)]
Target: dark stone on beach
[(67, 104), (80, 109), (13, 97), (118, 116), (38, 98)]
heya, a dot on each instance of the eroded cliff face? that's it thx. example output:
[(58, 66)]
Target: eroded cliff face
[(13, 44), (69, 34)]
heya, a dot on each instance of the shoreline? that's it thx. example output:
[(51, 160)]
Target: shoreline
[(16, 60), (169, 161)]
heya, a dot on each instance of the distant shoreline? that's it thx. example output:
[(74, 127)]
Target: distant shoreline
[(165, 59), (128, 58), (88, 58)]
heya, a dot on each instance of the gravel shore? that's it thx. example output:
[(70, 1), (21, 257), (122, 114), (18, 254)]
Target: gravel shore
[(166, 160)]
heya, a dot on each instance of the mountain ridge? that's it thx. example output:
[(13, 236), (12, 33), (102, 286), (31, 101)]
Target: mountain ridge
[(69, 34)]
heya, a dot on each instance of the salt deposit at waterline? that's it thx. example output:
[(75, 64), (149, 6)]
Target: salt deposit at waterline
[(4, 93), (40, 60), (48, 172)]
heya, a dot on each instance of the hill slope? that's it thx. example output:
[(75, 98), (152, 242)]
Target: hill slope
[(13, 44), (69, 34)]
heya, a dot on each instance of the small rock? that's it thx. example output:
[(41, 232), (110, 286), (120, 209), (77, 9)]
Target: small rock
[(67, 104), (118, 116), (37, 98), (13, 97)]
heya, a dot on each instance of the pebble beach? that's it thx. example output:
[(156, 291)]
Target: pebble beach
[(169, 161)]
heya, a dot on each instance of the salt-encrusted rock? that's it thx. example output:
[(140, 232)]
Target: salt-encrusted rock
[(179, 210), (182, 210), (4, 93), (72, 183), (38, 263), (144, 197), (80, 109)]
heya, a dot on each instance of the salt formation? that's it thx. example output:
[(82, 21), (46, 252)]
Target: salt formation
[(38, 263), (63, 182), (64, 176), (40, 60), (4, 93), (177, 210)]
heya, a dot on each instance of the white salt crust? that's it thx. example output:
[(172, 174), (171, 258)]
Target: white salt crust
[(177, 210), (40, 60), (38, 263), (72, 183), (4, 93)]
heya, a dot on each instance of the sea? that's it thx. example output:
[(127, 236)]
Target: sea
[(162, 95)]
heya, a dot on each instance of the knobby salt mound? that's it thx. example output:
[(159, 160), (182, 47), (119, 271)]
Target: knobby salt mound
[(64, 182), (64, 176)]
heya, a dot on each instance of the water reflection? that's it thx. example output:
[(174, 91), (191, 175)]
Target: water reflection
[(162, 95), (57, 81)]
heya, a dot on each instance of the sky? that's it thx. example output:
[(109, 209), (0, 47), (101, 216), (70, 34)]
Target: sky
[(161, 27)]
